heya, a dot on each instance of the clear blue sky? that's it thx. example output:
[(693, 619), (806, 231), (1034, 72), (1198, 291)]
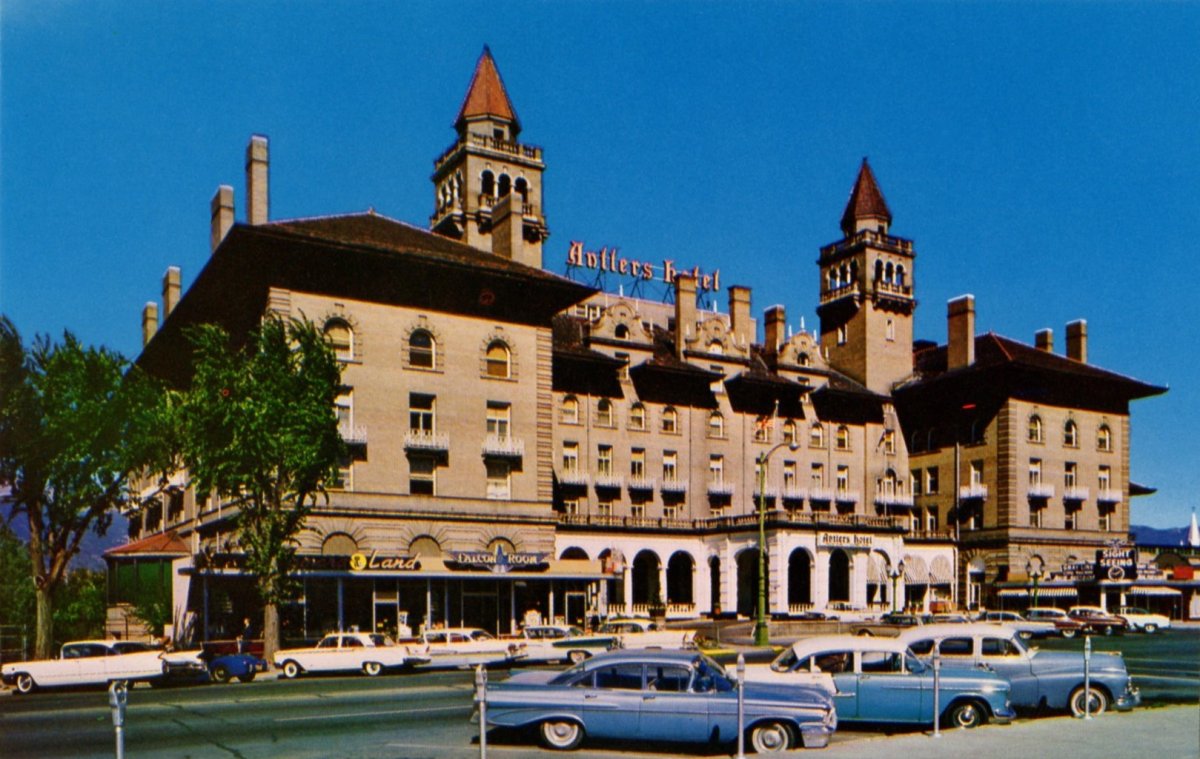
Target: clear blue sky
[(1043, 157)]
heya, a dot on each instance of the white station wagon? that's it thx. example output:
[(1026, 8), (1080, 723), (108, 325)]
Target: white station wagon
[(95, 662), (369, 653)]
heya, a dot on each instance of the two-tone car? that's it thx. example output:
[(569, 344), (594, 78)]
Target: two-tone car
[(657, 695), (369, 653), (1029, 628), (1144, 620), (1039, 679), (467, 647), (1098, 621), (1063, 624), (880, 680), (561, 643), (640, 632), (95, 662)]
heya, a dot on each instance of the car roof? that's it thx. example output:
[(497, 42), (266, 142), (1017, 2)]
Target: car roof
[(109, 643), (643, 654), (807, 646), (971, 629)]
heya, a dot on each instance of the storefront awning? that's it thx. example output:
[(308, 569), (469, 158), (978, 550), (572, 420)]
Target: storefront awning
[(915, 570), (1060, 592), (940, 572), (1153, 591)]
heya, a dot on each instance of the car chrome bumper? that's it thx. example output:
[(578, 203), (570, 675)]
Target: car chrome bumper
[(1129, 699), (815, 735), (1004, 715)]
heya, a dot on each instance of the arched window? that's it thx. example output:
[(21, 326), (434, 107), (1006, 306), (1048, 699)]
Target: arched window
[(835, 279), (888, 273), (804, 360), (422, 349), (340, 337), (716, 424), (570, 410), (717, 347), (1035, 429), (900, 275), (488, 184), (522, 188), (604, 413), (1104, 438), (670, 420), (878, 270), (1070, 434), (816, 436), (497, 359), (637, 417), (789, 432), (505, 186), (621, 332), (843, 438)]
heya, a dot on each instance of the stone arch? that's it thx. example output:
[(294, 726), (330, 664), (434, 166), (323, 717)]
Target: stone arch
[(681, 568), (800, 566), (645, 577), (839, 575), (424, 545), (338, 544), (747, 580), (573, 552), (428, 356), (497, 357), (487, 183)]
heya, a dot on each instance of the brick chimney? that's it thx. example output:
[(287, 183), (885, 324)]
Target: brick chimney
[(775, 321), (1043, 339), (685, 311), (508, 232), (222, 215), (149, 322), (739, 315), (960, 329), (258, 198), (1077, 340), (170, 290)]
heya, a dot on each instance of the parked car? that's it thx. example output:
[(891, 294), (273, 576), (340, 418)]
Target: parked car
[(561, 643), (468, 646), (655, 695), (243, 667), (369, 653), (1064, 624), (638, 632), (1144, 620), (890, 623), (1029, 628), (949, 619), (1097, 620), (1039, 679), (880, 680), (95, 662)]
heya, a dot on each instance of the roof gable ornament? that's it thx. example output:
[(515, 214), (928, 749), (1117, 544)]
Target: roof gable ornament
[(866, 208)]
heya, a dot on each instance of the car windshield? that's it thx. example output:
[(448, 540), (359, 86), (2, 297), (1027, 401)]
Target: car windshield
[(481, 635), (381, 640), (786, 661), (130, 647)]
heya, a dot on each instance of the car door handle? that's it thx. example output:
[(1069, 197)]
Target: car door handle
[(648, 696), (845, 694), (591, 696)]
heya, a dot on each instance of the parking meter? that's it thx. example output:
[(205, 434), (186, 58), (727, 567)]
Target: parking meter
[(1087, 676), (937, 691), (741, 706), (481, 700), (118, 695)]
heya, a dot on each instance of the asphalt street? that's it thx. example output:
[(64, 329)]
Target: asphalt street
[(425, 714)]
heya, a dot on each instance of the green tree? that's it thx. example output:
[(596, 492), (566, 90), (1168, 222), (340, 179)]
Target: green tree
[(17, 606), (75, 429), (260, 432)]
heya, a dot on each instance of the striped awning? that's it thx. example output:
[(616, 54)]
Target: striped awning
[(1060, 592), (1153, 591), (876, 572), (940, 572), (915, 570)]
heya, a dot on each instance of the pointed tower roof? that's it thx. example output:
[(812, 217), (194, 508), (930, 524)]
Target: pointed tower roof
[(1194, 533), (486, 95), (866, 201)]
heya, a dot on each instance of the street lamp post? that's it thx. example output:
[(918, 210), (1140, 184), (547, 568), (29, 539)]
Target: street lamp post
[(895, 573), (1035, 575), (762, 635)]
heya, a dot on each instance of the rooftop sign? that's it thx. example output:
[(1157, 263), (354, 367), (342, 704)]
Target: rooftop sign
[(610, 259)]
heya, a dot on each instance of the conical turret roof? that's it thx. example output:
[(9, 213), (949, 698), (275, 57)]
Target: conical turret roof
[(866, 201), (486, 95)]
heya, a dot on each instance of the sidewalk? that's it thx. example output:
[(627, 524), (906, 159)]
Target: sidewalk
[(1146, 733)]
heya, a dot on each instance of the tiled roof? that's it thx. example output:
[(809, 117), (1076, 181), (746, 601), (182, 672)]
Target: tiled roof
[(866, 201), (162, 544), (486, 95), (992, 350)]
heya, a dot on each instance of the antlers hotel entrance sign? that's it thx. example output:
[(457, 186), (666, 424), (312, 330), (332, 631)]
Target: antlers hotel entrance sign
[(608, 259)]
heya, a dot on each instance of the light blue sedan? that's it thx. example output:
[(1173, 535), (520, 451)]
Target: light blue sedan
[(655, 695), (880, 680)]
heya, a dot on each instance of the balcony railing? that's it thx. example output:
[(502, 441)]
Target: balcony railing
[(720, 488), (894, 499), (846, 496), (973, 492), (794, 494), (741, 521), (641, 484), (824, 495), (770, 492), (1075, 493), (673, 485), (503, 446), (573, 478), (353, 434), (423, 440), (1108, 495), (608, 481), (1041, 490)]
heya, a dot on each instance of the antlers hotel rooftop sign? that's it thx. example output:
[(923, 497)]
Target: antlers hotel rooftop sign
[(608, 259)]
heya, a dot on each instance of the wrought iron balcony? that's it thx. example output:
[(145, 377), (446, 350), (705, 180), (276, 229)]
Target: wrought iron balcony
[(672, 485), (641, 484), (1108, 495), (573, 478), (608, 481), (1041, 490), (503, 446), (1076, 493), (424, 440), (820, 494), (846, 496), (353, 434), (720, 488), (794, 493), (973, 492), (894, 499)]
